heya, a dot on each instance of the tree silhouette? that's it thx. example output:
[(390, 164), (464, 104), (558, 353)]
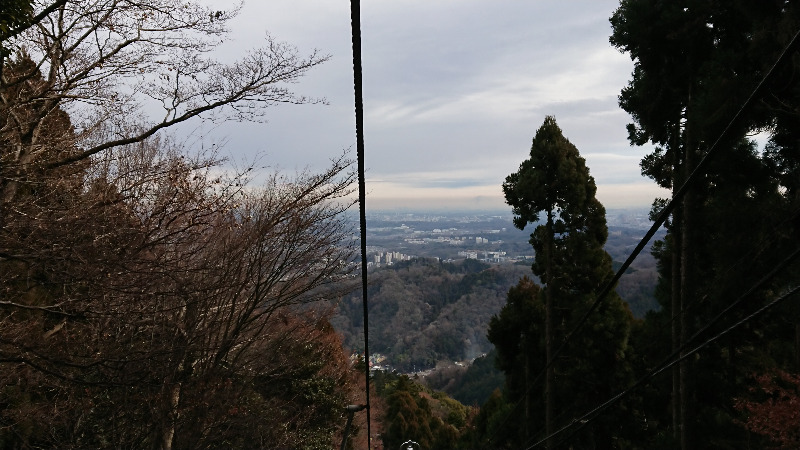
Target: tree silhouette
[(554, 185)]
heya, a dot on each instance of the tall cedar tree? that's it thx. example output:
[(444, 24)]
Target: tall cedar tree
[(554, 184), (695, 62)]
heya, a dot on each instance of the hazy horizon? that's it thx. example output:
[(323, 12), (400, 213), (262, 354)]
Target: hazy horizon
[(639, 196), (453, 96)]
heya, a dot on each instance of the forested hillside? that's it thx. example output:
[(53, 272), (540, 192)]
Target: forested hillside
[(424, 311)]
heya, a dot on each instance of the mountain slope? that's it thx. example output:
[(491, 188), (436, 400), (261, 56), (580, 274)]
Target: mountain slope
[(423, 311)]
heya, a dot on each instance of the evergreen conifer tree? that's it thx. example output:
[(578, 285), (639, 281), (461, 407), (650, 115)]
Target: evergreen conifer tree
[(554, 186), (695, 63)]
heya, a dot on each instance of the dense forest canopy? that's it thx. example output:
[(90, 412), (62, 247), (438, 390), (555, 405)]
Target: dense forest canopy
[(736, 225), (425, 311)]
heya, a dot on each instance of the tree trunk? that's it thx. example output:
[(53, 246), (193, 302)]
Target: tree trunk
[(527, 396), (676, 323), (549, 382), (167, 435), (689, 245), (675, 291)]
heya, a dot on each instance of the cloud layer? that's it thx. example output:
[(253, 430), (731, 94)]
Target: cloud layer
[(454, 92)]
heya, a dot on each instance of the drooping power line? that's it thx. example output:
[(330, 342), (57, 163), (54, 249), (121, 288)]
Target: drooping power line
[(665, 213), (698, 171)]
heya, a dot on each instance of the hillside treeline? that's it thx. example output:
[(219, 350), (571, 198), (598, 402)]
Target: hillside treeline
[(424, 311)]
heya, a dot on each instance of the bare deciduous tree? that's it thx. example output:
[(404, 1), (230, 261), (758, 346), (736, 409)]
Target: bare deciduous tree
[(161, 274), (105, 61), (147, 297)]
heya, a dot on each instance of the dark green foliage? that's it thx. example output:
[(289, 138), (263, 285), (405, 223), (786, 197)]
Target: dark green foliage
[(415, 413), (554, 186), (473, 385), (469, 266), (695, 64), (517, 328), (493, 425), (518, 334), (13, 14)]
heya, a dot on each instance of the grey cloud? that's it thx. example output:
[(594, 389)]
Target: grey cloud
[(450, 87)]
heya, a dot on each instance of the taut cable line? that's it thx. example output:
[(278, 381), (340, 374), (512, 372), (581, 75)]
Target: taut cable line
[(698, 171), (677, 196), (355, 21)]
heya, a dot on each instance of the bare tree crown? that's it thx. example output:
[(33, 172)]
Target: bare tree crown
[(105, 61)]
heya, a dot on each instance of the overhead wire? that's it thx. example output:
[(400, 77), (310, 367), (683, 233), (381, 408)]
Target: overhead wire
[(355, 23), (677, 197), (674, 358), (763, 245), (775, 270)]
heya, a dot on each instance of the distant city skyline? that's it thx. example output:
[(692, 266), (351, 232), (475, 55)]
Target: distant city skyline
[(453, 94)]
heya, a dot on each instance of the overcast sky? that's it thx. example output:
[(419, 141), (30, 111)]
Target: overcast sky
[(454, 91)]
